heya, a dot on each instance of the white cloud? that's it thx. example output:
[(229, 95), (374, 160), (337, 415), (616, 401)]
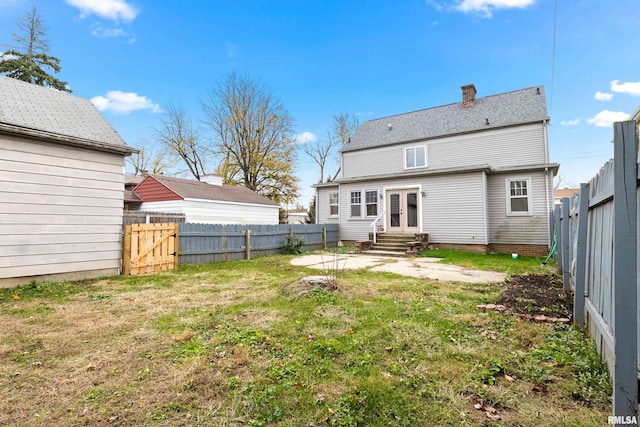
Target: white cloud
[(305, 137), (606, 118), (104, 33), (570, 122), (486, 7), (109, 9), (630, 88), (603, 96), (124, 102)]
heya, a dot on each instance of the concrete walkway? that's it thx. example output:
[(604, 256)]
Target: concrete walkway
[(428, 268)]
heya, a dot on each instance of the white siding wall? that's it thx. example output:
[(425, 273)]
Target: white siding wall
[(60, 209), (530, 229), (452, 210), (523, 145), (216, 212), (322, 203)]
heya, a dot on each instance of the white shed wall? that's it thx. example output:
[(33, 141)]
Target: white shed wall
[(60, 210), (217, 212)]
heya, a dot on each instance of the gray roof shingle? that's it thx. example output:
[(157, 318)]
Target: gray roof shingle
[(201, 190), (505, 109), (33, 110)]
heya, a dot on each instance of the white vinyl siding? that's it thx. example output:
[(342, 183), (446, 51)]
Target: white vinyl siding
[(522, 145), (323, 213), (530, 229), (60, 209), (452, 208), (216, 212)]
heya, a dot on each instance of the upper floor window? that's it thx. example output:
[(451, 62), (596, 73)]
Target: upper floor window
[(371, 202), (356, 203), (333, 204), (519, 196), (415, 157)]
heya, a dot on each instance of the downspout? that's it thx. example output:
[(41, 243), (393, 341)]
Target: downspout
[(316, 206), (547, 192), (484, 208), (546, 140), (546, 176)]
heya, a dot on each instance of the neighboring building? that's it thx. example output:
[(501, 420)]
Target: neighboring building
[(131, 200), (297, 216), (473, 175), (560, 193), (61, 170), (206, 201)]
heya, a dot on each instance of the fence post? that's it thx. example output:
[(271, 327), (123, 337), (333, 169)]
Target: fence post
[(126, 252), (625, 375), (324, 238), (557, 214), (247, 243), (566, 255), (581, 256)]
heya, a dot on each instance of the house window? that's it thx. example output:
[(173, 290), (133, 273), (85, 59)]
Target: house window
[(415, 157), (371, 202), (519, 196), (333, 204), (356, 203)]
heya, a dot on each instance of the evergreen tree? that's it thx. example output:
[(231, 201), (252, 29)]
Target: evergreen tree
[(28, 60)]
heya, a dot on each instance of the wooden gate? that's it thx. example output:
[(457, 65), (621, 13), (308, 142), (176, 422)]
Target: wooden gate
[(149, 248)]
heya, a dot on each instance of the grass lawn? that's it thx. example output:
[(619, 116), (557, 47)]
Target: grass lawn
[(241, 344)]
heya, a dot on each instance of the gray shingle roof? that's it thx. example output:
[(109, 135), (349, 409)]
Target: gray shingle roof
[(47, 113), (201, 190), (505, 109)]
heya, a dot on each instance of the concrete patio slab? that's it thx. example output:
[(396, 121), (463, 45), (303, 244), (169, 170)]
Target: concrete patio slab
[(428, 268)]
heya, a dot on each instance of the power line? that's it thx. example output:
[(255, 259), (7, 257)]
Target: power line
[(553, 54)]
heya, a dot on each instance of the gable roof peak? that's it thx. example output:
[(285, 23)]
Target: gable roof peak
[(504, 109)]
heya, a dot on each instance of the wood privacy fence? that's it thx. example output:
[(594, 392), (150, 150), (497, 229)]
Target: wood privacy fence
[(205, 243), (149, 248), (597, 232)]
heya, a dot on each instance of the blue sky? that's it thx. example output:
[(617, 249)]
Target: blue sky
[(369, 58)]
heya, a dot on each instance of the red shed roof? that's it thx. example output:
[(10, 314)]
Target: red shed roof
[(155, 188)]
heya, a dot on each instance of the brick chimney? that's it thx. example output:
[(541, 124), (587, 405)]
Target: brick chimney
[(468, 95)]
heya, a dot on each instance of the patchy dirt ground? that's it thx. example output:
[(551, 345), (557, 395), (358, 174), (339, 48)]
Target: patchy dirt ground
[(536, 294)]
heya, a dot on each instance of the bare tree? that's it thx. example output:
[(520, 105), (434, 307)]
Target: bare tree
[(320, 151), (149, 158), (344, 126), (254, 137), (182, 140)]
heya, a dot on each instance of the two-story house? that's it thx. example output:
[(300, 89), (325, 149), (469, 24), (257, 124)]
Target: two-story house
[(473, 175)]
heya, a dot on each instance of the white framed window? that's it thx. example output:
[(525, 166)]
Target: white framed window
[(371, 202), (356, 204), (518, 196), (415, 157), (333, 203)]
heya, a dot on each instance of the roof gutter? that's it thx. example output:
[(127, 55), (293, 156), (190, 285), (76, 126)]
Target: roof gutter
[(65, 139)]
